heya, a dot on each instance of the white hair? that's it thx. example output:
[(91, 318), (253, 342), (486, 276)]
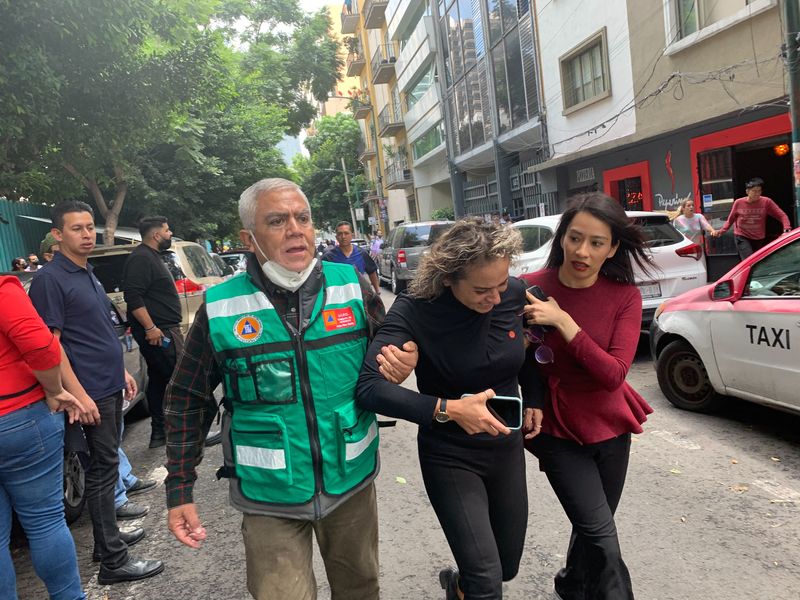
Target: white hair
[(248, 201)]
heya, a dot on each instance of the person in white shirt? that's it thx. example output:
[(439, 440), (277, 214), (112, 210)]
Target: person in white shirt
[(690, 223)]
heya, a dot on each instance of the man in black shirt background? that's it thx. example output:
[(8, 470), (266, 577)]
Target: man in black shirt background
[(155, 308)]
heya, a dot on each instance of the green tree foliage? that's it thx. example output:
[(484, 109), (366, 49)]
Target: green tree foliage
[(239, 148), (443, 214), (290, 56), (120, 76), (321, 175), (164, 102)]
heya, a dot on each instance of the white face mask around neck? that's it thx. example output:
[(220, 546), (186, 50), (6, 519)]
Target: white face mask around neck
[(280, 275)]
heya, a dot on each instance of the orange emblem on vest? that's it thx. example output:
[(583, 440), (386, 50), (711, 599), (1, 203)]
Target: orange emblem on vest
[(247, 329)]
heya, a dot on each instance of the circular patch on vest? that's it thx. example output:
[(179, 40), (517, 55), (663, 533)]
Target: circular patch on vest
[(247, 329), (512, 334)]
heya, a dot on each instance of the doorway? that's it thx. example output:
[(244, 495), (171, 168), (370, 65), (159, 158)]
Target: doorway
[(772, 163), (630, 186)]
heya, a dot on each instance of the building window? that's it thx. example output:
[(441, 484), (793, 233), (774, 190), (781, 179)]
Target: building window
[(501, 89), (430, 140), (516, 79), (690, 16), (686, 17), (471, 23), (413, 214), (584, 73), (419, 87)]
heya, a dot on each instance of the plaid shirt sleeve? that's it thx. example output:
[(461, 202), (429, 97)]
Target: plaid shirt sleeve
[(189, 409)]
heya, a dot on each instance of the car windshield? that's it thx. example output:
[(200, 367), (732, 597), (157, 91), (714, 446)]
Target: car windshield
[(108, 269), (232, 259), (173, 264), (416, 235), (437, 231), (423, 235), (201, 262), (658, 231), (778, 274)]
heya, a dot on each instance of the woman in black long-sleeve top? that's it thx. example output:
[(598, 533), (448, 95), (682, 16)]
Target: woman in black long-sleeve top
[(463, 311)]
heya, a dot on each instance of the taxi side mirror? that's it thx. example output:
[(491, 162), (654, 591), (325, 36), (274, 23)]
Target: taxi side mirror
[(723, 290)]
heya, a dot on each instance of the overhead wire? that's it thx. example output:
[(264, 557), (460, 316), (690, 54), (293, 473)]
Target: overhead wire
[(674, 81)]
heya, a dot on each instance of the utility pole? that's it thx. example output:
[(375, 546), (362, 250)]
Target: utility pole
[(791, 17), (349, 200)]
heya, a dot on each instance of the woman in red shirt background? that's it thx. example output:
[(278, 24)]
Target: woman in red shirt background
[(32, 402), (593, 315)]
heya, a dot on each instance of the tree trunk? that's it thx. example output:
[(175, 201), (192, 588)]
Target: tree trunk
[(110, 214), (112, 220)]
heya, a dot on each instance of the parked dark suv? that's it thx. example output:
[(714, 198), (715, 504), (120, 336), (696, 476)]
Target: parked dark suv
[(404, 246)]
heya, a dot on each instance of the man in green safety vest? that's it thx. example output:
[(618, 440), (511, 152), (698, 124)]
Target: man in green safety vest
[(286, 339)]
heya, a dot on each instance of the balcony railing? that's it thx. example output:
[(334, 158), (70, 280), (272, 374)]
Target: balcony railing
[(355, 63), (390, 120), (350, 17), (398, 173), (383, 63), (374, 13), (366, 151), (360, 108)]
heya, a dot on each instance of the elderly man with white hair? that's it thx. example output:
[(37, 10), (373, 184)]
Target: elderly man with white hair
[(286, 339)]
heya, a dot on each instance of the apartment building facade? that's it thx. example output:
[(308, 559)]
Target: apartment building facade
[(487, 71), (390, 49), (412, 27), (654, 101)]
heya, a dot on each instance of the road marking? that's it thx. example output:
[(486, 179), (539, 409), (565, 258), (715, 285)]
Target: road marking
[(675, 439), (781, 492)]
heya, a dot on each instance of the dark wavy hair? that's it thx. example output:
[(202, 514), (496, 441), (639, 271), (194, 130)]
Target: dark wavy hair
[(623, 231)]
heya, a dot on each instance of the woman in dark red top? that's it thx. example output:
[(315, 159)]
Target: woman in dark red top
[(593, 315), (32, 446)]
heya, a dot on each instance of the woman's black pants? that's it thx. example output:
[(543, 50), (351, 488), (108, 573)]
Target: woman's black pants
[(477, 489), (588, 480)]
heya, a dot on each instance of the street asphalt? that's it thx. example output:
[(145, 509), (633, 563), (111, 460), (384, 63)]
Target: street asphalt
[(710, 511)]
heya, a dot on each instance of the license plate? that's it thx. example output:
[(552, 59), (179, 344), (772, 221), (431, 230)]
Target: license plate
[(650, 290)]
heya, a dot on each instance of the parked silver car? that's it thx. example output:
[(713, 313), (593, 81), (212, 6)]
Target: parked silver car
[(404, 246)]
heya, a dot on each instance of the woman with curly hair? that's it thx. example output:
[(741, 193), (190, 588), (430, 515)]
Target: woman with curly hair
[(593, 315), (463, 311)]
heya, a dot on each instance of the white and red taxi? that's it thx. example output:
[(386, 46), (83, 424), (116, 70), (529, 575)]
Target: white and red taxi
[(737, 337)]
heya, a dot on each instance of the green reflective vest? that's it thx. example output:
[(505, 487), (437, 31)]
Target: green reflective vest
[(295, 429)]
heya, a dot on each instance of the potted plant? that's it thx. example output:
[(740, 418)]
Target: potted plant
[(351, 44)]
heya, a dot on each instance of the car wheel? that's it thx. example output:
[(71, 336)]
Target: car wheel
[(683, 378), (74, 486), (398, 285)]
